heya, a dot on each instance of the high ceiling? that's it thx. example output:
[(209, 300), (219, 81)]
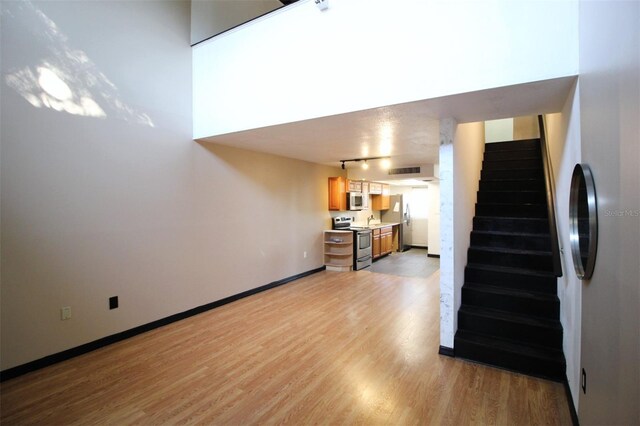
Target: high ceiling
[(408, 132)]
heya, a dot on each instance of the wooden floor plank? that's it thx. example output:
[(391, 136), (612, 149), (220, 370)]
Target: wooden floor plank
[(332, 348)]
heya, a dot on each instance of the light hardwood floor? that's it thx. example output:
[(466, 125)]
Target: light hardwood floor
[(333, 348)]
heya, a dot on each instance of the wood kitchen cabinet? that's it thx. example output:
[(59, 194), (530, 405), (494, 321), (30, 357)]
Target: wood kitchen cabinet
[(386, 240), (337, 193), (375, 188), (375, 248), (354, 185), (382, 241), (365, 195), (380, 201)]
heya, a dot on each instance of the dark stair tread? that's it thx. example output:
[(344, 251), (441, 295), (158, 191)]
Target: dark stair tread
[(539, 180), (512, 317), (512, 204), (503, 250), (535, 169), (519, 218), (513, 180), (512, 159), (512, 145), (512, 234), (511, 270), (517, 191), (511, 346), (508, 291)]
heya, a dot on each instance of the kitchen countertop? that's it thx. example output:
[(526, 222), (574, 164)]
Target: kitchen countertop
[(374, 226)]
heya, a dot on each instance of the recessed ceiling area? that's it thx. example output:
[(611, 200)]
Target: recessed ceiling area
[(407, 132)]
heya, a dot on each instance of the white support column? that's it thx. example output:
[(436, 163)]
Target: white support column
[(447, 299)]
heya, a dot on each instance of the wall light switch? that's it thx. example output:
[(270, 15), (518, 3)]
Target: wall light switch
[(65, 313)]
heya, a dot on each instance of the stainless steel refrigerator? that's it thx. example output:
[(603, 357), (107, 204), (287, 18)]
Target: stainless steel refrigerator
[(399, 213)]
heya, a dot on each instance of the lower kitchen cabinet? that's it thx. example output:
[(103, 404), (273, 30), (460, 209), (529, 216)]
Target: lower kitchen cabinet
[(375, 248), (386, 240), (338, 250), (382, 241)]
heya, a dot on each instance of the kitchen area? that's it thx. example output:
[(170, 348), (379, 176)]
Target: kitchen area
[(372, 228)]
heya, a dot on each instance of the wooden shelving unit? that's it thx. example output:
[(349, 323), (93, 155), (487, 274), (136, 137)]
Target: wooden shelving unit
[(338, 250)]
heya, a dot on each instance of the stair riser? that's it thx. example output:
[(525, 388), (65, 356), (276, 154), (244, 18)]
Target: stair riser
[(524, 163), (512, 155), (512, 210), (512, 197), (512, 185), (517, 332), (512, 260), (513, 145), (516, 362), (512, 174), (524, 242), (532, 226), (546, 285), (510, 303)]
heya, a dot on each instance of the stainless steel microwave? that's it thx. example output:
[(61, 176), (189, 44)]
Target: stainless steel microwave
[(355, 201)]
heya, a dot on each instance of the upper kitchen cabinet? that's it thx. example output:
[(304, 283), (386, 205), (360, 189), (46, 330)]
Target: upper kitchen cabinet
[(380, 201), (354, 186), (365, 195), (338, 193), (375, 188)]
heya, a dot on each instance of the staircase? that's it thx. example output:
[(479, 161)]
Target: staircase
[(510, 313)]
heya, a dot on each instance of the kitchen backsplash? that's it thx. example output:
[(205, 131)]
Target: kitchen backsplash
[(358, 215)]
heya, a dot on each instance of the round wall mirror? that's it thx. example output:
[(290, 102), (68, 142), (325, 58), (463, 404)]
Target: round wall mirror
[(583, 221)]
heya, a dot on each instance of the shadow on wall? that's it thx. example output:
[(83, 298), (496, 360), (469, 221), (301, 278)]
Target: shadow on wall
[(63, 78)]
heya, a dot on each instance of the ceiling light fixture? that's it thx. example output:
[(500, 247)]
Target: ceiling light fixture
[(365, 165)]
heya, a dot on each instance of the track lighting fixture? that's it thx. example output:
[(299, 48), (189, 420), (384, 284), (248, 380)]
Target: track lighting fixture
[(386, 162)]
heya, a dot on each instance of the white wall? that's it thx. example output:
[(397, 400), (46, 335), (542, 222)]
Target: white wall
[(563, 132), (525, 127), (209, 17), (468, 151), (434, 219), (498, 130), (301, 63), (610, 129), (110, 196), (448, 314), (460, 176)]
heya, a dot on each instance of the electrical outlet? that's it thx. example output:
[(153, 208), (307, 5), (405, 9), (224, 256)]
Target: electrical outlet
[(113, 302), (65, 313), (304, 254), (584, 381)]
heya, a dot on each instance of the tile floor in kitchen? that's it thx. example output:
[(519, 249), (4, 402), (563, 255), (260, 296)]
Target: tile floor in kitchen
[(410, 263)]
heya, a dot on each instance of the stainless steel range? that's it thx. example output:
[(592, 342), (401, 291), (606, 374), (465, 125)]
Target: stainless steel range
[(362, 242)]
